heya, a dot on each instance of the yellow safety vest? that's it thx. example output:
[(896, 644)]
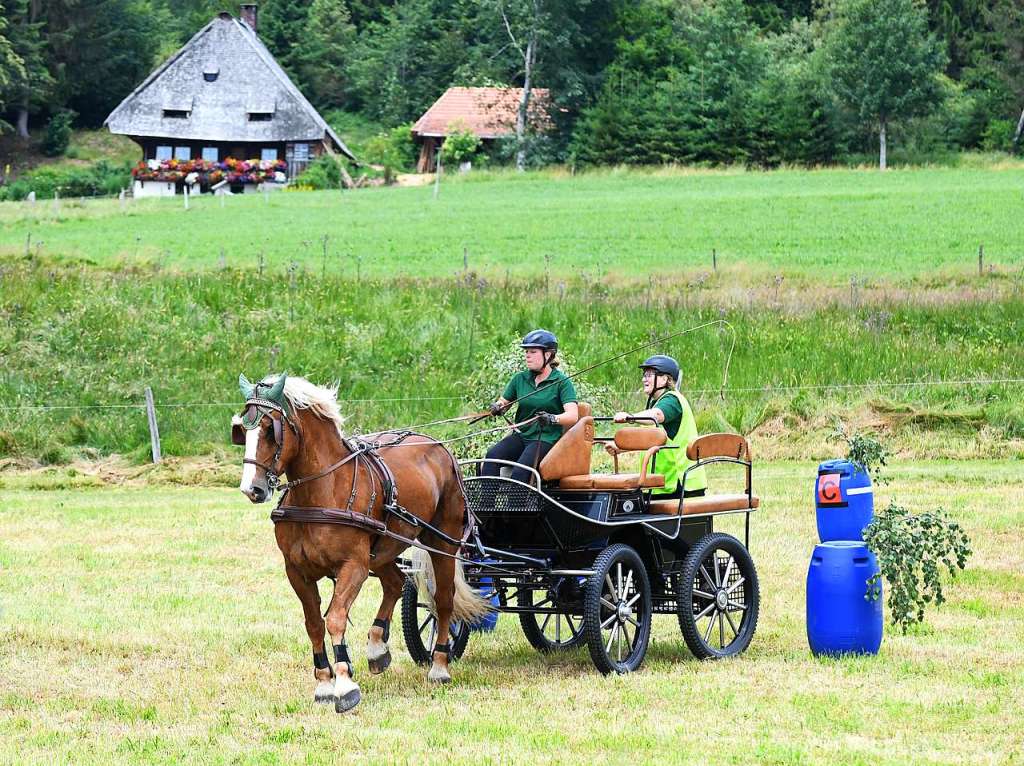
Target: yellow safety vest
[(672, 463)]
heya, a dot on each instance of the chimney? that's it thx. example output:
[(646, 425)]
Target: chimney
[(249, 15)]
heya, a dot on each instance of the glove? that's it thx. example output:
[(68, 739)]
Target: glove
[(496, 408), (548, 418)]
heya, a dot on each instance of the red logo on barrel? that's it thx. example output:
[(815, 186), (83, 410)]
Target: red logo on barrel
[(828, 489)]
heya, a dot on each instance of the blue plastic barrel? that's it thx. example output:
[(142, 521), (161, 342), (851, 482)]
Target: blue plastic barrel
[(839, 619), (843, 500)]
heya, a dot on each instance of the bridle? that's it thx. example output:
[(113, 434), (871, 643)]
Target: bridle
[(252, 415)]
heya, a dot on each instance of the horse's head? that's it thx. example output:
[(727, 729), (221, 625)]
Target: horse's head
[(266, 429)]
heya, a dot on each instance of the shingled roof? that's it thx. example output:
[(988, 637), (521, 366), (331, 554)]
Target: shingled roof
[(487, 112), (219, 77)]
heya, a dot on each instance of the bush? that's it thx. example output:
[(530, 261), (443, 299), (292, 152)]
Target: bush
[(58, 133), (322, 173), (460, 145), (394, 149), (103, 178), (998, 136)]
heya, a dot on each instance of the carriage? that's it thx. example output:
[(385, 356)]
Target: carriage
[(588, 559)]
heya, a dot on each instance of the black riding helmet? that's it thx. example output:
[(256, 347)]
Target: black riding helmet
[(540, 339), (666, 365)]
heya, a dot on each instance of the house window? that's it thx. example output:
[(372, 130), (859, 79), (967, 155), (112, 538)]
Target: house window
[(260, 116), (210, 73), (176, 114), (268, 154), (211, 153), (164, 152), (301, 152), (183, 152)]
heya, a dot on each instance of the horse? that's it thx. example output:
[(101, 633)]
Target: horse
[(339, 523)]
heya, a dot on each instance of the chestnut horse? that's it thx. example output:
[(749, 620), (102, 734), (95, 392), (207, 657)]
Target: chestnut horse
[(290, 426)]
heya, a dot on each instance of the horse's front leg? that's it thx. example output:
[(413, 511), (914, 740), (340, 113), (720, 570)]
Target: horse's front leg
[(309, 595), (350, 579), (378, 656)]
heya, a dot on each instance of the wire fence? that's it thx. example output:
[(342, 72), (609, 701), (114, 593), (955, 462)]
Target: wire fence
[(767, 389)]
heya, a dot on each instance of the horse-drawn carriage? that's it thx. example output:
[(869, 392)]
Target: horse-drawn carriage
[(590, 558), (581, 557)]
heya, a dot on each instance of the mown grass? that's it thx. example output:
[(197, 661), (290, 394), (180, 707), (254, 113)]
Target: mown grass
[(156, 625), (824, 225), (85, 342)]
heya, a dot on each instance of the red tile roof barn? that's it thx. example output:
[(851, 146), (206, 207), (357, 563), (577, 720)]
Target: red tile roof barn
[(487, 112)]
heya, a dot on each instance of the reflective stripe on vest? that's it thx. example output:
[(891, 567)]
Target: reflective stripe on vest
[(672, 463)]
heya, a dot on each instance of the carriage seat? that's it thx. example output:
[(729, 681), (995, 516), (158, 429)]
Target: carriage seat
[(731, 447), (650, 440), (706, 504)]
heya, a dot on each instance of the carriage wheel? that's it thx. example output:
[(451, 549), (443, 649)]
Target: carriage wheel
[(617, 610), (718, 597), (552, 632), (419, 628)]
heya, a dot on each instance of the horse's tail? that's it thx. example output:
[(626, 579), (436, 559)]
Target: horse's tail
[(469, 606)]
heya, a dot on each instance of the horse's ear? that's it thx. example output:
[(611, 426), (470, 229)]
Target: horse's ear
[(275, 393), (246, 387)]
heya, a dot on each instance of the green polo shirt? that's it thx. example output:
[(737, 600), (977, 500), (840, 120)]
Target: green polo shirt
[(551, 395), (673, 412)]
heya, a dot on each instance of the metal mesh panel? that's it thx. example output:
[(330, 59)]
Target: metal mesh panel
[(497, 496)]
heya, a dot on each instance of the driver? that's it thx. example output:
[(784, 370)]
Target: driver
[(543, 390)]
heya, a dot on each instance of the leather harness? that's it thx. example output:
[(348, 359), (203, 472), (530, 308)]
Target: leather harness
[(366, 456)]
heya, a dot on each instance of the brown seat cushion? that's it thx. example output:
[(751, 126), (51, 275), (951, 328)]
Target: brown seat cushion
[(638, 439), (611, 481), (707, 504), (718, 445), (571, 454)]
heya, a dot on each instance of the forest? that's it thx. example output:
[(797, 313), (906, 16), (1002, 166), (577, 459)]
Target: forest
[(719, 82)]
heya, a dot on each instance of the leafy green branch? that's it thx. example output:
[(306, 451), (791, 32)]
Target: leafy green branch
[(864, 450), (912, 551)]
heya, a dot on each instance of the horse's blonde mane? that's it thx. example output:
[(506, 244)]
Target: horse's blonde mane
[(322, 401)]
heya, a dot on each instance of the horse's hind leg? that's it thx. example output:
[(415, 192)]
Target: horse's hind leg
[(309, 595), (444, 601), (350, 579), (378, 656)]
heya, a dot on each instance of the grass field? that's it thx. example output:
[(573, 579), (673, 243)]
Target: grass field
[(87, 341), (826, 226), (155, 624)]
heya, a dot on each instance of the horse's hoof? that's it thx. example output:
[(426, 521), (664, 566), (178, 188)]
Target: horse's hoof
[(347, 701), (439, 675), (324, 693), (380, 664)]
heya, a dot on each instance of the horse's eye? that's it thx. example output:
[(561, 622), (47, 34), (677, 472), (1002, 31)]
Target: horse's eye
[(270, 432)]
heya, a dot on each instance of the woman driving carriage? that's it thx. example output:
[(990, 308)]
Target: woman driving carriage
[(670, 409), (540, 390)]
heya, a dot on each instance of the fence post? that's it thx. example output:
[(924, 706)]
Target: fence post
[(981, 260), (154, 433)]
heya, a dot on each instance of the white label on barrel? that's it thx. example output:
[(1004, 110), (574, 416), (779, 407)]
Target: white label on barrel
[(859, 491)]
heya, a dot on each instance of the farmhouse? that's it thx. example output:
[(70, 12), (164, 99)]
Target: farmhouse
[(489, 113), (221, 111)]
